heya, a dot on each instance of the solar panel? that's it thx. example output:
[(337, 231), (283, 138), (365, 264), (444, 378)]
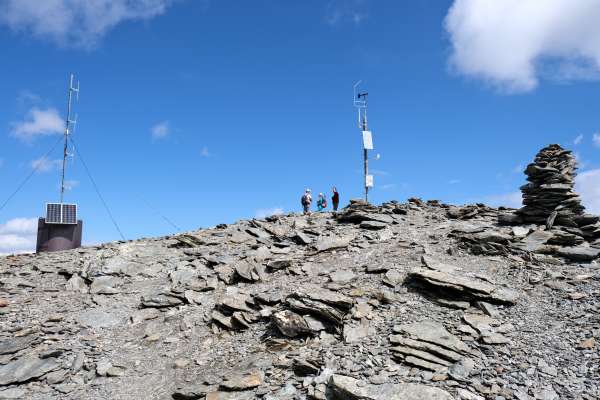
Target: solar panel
[(57, 213), (53, 213), (69, 214)]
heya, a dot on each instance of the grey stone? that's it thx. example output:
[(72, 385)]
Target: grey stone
[(12, 394), (580, 253), (373, 225), (475, 288), (11, 346), (25, 369), (347, 388), (342, 276), (96, 318), (325, 243), (290, 324)]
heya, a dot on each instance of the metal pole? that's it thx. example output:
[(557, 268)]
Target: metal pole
[(366, 160), (67, 123)]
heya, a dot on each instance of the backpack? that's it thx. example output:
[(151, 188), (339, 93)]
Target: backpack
[(304, 199)]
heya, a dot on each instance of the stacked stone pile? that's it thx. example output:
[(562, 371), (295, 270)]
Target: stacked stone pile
[(549, 196)]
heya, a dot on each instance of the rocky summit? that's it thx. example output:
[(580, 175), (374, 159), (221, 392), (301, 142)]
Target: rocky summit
[(410, 301)]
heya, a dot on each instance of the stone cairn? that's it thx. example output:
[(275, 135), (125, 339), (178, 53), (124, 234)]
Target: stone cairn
[(549, 197)]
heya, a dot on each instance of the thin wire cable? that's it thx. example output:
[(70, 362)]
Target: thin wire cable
[(87, 171), (161, 215), (28, 177)]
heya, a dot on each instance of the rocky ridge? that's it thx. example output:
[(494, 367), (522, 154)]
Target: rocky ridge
[(418, 300)]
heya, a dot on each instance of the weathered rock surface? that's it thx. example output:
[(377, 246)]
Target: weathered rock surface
[(347, 388), (419, 300)]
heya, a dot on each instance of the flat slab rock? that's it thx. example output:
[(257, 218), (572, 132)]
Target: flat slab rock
[(331, 243), (25, 369), (435, 333), (347, 388), (580, 253), (476, 288)]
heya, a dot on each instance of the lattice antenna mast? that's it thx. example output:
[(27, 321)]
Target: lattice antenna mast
[(69, 122), (360, 102)]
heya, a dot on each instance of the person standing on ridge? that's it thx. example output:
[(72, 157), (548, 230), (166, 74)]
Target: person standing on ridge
[(306, 201), (321, 202), (335, 199)]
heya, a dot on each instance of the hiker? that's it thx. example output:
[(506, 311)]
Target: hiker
[(306, 201), (335, 199), (321, 202)]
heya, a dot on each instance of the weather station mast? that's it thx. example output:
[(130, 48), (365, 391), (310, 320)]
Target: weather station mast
[(60, 229), (360, 102)]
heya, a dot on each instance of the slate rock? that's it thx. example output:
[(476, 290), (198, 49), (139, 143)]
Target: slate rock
[(347, 388), (25, 369)]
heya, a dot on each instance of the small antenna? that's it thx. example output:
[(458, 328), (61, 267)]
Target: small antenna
[(72, 89)]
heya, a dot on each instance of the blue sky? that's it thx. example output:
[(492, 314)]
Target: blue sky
[(209, 111)]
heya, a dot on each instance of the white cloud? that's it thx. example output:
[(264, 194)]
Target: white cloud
[(342, 11), (587, 184), (267, 212), (71, 184), (388, 186), (518, 169), (510, 43), (512, 199), (75, 23), (580, 162), (596, 139), (18, 235), (160, 130), (44, 164), (454, 181), (204, 152), (38, 122), (578, 140)]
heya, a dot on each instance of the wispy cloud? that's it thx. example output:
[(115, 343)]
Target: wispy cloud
[(204, 152), (577, 140), (346, 11), (161, 130), (511, 43), (26, 97), (18, 235), (596, 139), (587, 184), (75, 23), (379, 172), (518, 169), (71, 184), (512, 199), (44, 164), (267, 212), (454, 181), (1, 162), (38, 122), (388, 186)]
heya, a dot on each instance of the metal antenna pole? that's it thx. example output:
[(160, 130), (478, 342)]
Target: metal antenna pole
[(360, 102), (68, 123), (366, 157)]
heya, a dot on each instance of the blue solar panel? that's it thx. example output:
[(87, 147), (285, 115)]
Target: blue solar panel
[(57, 213)]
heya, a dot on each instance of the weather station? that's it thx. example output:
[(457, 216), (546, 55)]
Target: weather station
[(360, 102), (60, 229)]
